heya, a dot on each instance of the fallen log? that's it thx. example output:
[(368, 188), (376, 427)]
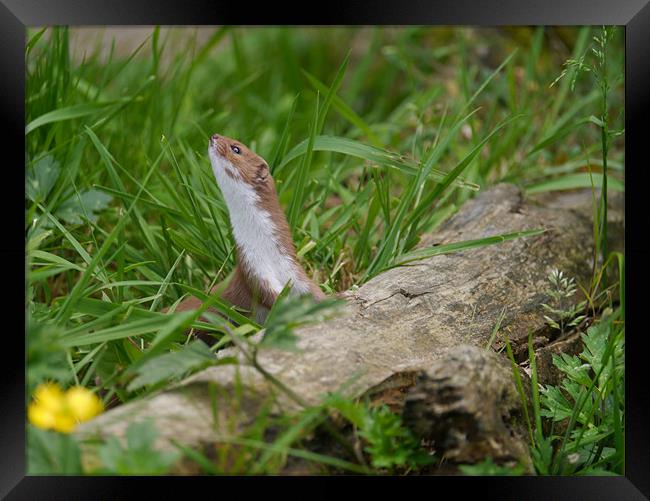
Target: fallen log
[(466, 404), (398, 337)]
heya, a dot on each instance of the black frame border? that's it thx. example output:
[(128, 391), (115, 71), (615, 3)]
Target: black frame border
[(16, 15)]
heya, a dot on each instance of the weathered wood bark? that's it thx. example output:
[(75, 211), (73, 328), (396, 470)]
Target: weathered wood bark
[(466, 404), (403, 329)]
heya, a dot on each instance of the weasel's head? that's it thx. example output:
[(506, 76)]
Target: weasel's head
[(232, 158)]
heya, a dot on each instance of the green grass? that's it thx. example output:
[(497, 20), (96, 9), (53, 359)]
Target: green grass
[(374, 137)]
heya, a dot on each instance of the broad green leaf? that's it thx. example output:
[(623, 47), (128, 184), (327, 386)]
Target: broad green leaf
[(139, 456), (87, 204), (291, 312), (194, 356), (41, 178)]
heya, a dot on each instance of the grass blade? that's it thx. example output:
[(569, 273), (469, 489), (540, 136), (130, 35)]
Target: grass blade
[(372, 154), (464, 245), (75, 294), (574, 181), (69, 113), (345, 111)]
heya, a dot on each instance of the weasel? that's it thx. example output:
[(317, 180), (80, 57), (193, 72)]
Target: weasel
[(266, 255)]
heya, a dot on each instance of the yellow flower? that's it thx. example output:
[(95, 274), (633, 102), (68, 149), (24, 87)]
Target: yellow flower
[(64, 423), (82, 403), (49, 396), (40, 416), (52, 409)]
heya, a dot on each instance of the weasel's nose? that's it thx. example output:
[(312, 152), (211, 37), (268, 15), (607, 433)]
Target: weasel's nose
[(214, 138)]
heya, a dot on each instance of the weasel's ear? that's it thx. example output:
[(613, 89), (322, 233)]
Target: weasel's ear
[(262, 172)]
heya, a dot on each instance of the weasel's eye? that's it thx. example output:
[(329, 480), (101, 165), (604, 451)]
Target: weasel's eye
[(235, 149)]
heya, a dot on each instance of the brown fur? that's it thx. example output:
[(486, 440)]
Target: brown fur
[(244, 290)]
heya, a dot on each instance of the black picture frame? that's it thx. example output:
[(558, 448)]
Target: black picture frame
[(16, 15)]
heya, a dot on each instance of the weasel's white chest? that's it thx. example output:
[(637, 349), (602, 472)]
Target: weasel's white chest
[(255, 234)]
